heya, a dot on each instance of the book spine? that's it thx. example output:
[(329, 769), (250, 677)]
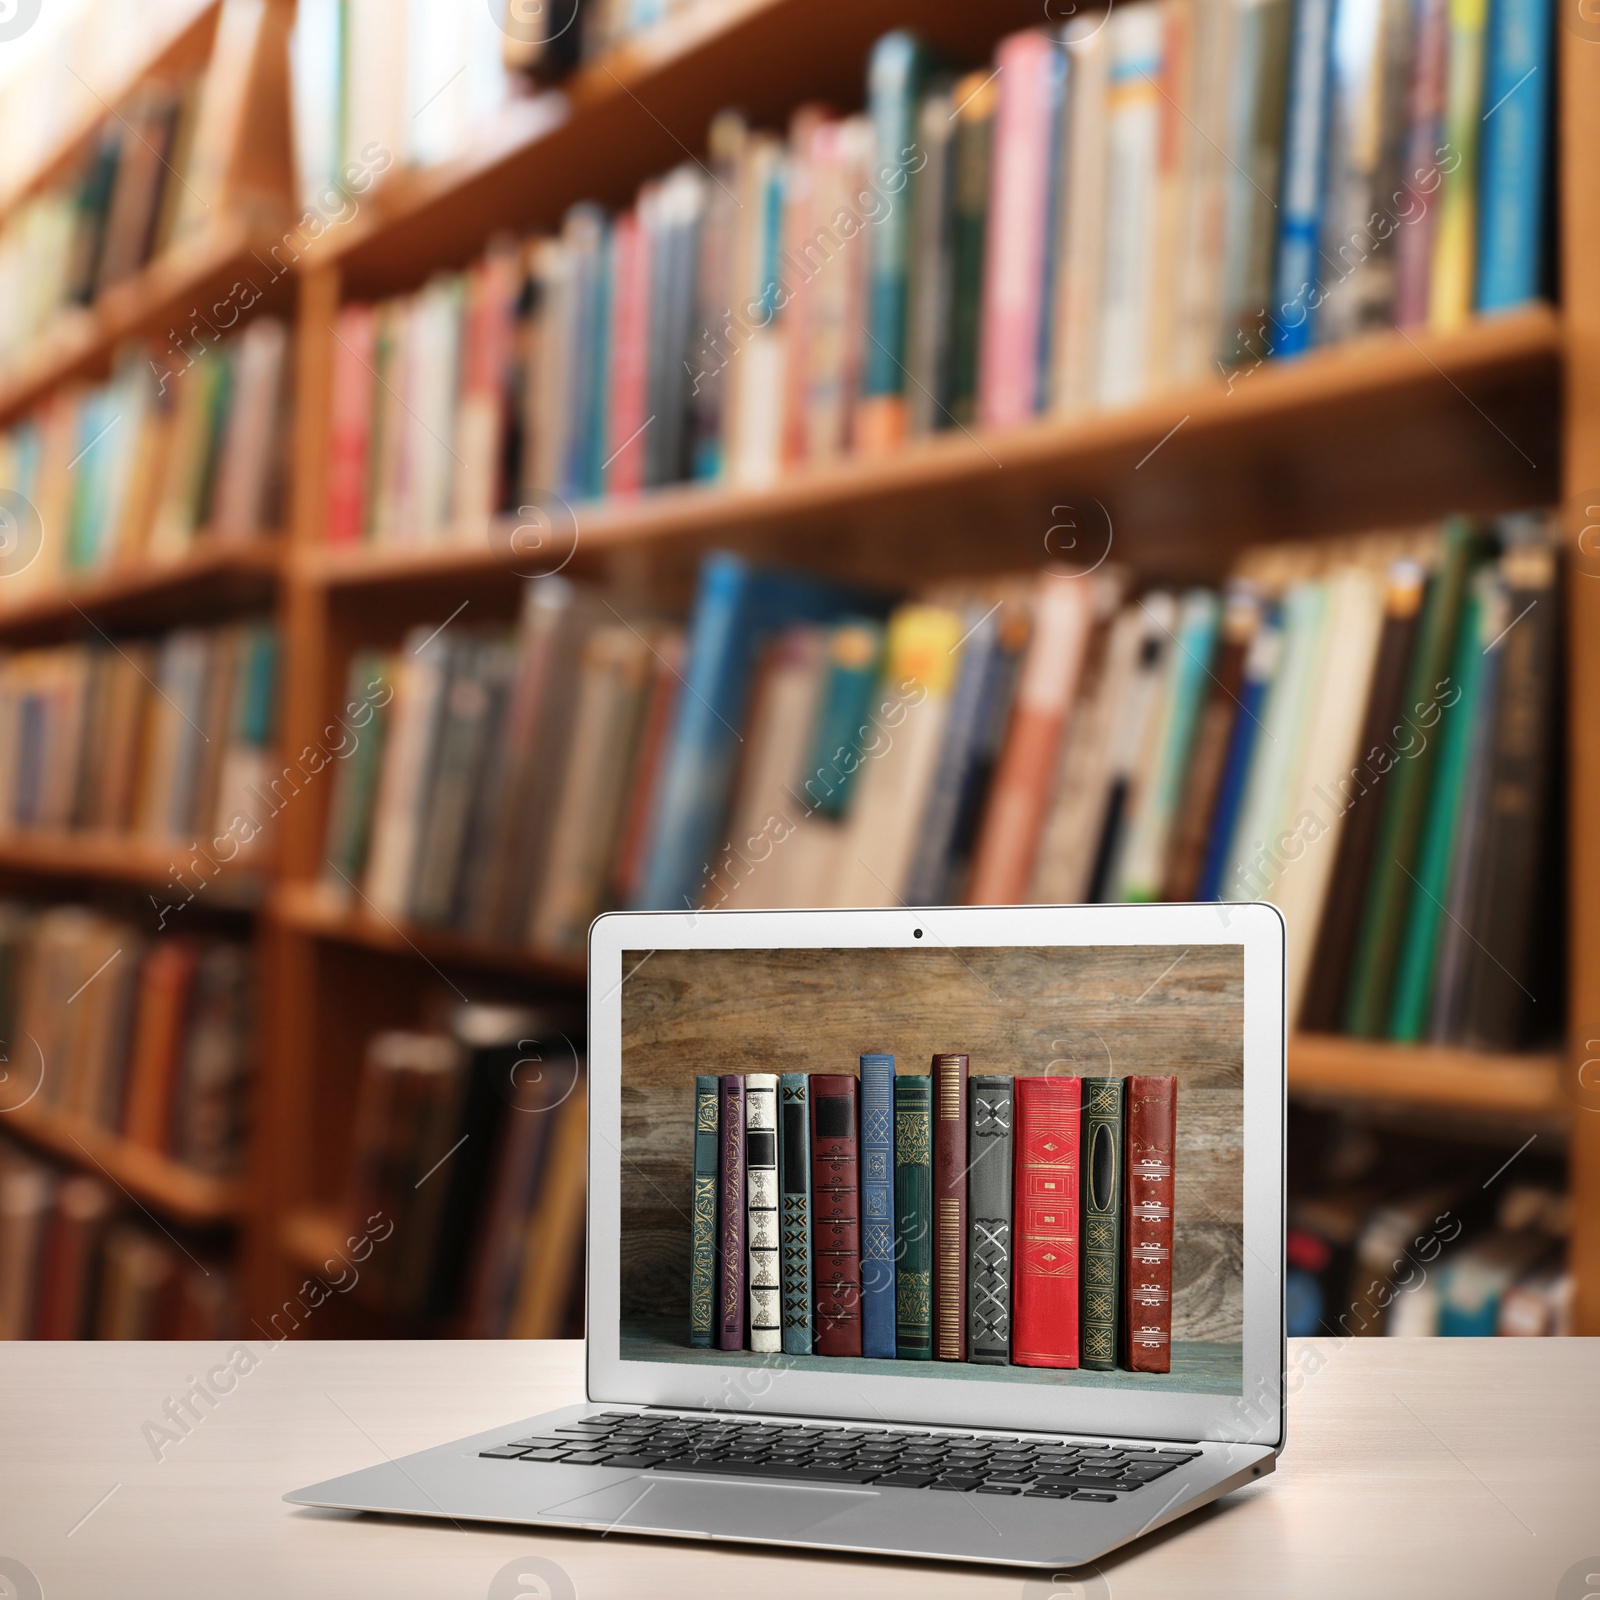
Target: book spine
[(1304, 138), (794, 1184), (835, 1214), (989, 1222), (877, 1206), (1423, 140), (1148, 1191), (913, 1217), (950, 1207), (703, 1218), (731, 1217), (1450, 292), (1049, 1116), (761, 1208), (1102, 1221), (1511, 185)]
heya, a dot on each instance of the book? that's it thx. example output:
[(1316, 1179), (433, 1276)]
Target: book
[(69, 1256), (731, 1233), (949, 1088), (1148, 1208), (989, 1236), (1424, 153), (550, 1287), (1455, 232), (703, 1222), (931, 247), (835, 1214), (1046, 1211), (794, 1184), (761, 1193), (877, 1206), (976, 99), (913, 1216), (854, 657), (1512, 182), (1101, 1220)]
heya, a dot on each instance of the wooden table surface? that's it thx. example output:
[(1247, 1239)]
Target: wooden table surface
[(1455, 1468)]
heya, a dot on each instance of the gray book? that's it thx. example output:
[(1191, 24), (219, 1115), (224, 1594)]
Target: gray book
[(989, 1220)]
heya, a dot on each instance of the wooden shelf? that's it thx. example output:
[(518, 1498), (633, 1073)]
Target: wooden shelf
[(121, 859), (1237, 467), (231, 577), (1426, 1075), (83, 340), (166, 1186), (312, 909)]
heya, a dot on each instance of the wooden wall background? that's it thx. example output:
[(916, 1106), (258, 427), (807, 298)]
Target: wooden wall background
[(1083, 1011)]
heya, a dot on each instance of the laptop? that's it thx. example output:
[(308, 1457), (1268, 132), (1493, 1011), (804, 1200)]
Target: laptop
[(949, 1233)]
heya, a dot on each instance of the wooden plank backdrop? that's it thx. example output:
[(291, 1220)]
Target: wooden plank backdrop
[(1080, 1011)]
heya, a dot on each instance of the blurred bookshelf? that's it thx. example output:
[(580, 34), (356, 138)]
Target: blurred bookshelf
[(1390, 428)]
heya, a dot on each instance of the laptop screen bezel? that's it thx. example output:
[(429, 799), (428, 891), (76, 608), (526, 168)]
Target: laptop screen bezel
[(1255, 1416)]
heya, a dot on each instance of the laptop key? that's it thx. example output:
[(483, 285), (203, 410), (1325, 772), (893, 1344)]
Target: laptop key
[(773, 1469), (1047, 1494), (545, 1455), (905, 1480), (631, 1462), (1108, 1498), (543, 1444), (998, 1488), (503, 1452)]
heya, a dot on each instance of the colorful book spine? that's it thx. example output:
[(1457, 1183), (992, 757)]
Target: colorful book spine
[(1152, 1112), (761, 1210), (1513, 153), (913, 1216), (836, 1227), (794, 1185), (855, 648), (1295, 291), (1102, 1221), (1049, 1115), (877, 1206), (731, 1216), (703, 1218), (950, 1207), (1450, 292), (989, 1220)]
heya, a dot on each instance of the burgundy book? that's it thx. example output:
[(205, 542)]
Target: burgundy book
[(836, 1213), (950, 1208), (1044, 1255), (730, 1217), (1147, 1223)]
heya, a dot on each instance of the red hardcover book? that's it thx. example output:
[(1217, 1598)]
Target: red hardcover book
[(950, 1208), (731, 1216), (1147, 1225), (1044, 1256), (836, 1213), (630, 355), (350, 423)]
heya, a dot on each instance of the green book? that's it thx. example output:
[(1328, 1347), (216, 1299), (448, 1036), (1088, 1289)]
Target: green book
[(976, 99), (1415, 752), (1413, 989), (855, 647), (913, 1216), (703, 1214), (1101, 1221), (356, 785)]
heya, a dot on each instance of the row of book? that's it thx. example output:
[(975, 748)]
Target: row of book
[(472, 1141), (120, 207), (181, 448), (168, 740), (74, 1266), (1151, 196), (1355, 730), (1010, 1221), (147, 1038)]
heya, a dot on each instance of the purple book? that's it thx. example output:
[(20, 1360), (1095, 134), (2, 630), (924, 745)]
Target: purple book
[(731, 1217)]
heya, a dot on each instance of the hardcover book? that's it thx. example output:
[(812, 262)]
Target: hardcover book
[(1152, 1110), (835, 1217), (1102, 1220), (989, 1225), (731, 1216), (950, 1207), (1048, 1115), (913, 1217), (761, 1207), (877, 1206), (794, 1187)]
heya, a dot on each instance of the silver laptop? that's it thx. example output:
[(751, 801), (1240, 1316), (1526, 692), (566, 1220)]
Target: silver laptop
[(1025, 1325)]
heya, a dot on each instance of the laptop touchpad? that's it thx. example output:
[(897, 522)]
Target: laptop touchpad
[(720, 1506)]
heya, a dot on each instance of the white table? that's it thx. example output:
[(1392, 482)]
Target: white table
[(1415, 1468)]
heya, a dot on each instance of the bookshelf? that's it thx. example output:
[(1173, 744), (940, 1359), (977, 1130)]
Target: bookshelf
[(1501, 414)]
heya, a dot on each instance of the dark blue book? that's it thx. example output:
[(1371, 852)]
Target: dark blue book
[(794, 1193), (877, 1206)]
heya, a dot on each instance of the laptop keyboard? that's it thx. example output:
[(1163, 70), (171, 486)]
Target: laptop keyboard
[(1049, 1469)]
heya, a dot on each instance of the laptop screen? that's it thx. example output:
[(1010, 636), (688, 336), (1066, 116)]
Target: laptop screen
[(1015, 1165)]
